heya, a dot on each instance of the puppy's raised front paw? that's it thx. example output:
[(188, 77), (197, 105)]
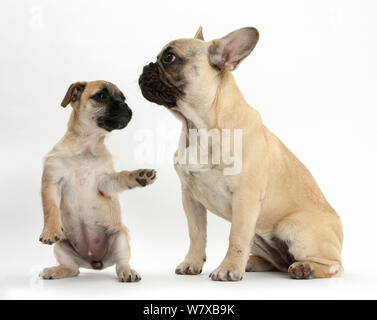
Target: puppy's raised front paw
[(227, 272), (145, 177), (127, 275), (189, 267), (50, 235)]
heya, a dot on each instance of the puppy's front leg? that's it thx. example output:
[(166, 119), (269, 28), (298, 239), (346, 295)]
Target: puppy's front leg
[(123, 180), (244, 217), (196, 215), (52, 230)]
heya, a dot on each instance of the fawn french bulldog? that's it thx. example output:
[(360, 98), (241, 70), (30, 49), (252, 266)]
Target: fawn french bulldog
[(280, 220)]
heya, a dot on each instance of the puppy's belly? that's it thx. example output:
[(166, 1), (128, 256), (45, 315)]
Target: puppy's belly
[(85, 217), (92, 243)]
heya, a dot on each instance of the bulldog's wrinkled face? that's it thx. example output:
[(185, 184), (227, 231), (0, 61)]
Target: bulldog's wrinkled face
[(189, 69), (167, 80), (100, 104), (163, 82)]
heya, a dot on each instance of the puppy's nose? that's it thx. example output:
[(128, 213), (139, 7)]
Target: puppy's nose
[(126, 109)]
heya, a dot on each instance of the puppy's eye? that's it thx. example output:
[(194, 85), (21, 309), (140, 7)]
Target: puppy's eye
[(168, 58), (101, 96)]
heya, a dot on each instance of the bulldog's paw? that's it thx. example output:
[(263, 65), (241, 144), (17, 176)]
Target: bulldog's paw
[(58, 272), (145, 177), (189, 267), (227, 272), (126, 274), (301, 270), (51, 234)]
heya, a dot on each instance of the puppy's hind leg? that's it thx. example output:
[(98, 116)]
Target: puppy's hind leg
[(121, 256), (68, 266)]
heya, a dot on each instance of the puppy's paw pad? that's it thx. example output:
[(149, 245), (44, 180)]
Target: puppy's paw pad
[(301, 270), (226, 273), (128, 275), (145, 177), (50, 236), (189, 268)]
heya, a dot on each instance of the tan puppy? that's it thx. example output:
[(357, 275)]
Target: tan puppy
[(277, 210), (79, 186)]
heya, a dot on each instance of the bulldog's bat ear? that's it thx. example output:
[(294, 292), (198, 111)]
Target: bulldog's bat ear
[(226, 53), (73, 94), (199, 34)]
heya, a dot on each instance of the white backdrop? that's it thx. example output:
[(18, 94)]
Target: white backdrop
[(311, 76)]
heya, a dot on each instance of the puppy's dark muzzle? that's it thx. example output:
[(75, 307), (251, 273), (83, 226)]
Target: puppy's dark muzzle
[(156, 88), (117, 117)]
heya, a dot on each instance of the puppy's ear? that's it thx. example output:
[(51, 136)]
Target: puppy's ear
[(73, 94), (199, 34), (226, 53)]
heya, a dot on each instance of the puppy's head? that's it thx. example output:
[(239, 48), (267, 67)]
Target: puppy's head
[(189, 69), (98, 104)]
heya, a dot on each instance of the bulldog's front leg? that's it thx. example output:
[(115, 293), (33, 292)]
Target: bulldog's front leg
[(245, 212), (124, 180), (197, 224)]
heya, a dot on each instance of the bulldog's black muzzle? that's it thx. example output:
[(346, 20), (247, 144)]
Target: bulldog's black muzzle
[(156, 88)]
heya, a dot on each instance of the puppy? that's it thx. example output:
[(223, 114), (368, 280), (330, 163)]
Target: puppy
[(80, 187), (280, 218)]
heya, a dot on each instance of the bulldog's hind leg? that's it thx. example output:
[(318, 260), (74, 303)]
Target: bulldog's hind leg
[(311, 269), (315, 241), (120, 255), (68, 263), (258, 264)]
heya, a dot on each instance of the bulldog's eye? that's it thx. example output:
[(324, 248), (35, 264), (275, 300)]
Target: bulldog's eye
[(168, 58)]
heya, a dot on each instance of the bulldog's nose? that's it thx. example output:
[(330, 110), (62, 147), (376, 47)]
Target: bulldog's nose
[(148, 66)]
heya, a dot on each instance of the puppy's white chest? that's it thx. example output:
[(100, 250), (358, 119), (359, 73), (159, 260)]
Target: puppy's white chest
[(80, 183), (84, 176)]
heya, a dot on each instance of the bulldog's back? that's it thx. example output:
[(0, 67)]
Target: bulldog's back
[(290, 187)]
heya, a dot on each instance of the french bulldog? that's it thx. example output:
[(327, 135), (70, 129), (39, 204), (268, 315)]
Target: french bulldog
[(280, 220)]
